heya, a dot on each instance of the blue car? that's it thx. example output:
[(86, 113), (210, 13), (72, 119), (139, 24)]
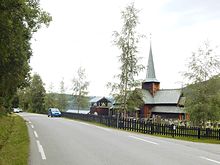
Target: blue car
[(54, 112)]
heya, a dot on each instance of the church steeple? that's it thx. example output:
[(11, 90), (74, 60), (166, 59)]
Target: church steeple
[(151, 76), (151, 83)]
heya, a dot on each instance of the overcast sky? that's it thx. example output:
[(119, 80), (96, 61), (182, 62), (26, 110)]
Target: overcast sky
[(81, 35)]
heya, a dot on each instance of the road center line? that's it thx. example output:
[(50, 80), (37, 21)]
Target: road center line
[(41, 150), (137, 138), (32, 126), (211, 160), (35, 134)]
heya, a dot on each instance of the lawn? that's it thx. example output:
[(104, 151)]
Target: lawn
[(14, 141)]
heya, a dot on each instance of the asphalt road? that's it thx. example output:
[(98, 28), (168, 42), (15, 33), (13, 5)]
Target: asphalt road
[(59, 141)]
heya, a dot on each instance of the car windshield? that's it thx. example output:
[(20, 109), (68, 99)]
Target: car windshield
[(55, 110)]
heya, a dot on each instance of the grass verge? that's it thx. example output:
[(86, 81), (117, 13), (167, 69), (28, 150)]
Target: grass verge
[(14, 141), (191, 139)]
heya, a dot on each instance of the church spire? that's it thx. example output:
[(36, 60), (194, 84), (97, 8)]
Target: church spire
[(151, 76), (151, 83)]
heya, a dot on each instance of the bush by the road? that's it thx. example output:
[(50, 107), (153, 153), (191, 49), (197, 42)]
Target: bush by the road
[(14, 141)]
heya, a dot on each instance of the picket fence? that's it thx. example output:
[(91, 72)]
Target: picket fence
[(148, 127)]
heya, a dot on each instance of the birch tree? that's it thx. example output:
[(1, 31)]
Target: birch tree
[(127, 40), (80, 86), (62, 99), (202, 92)]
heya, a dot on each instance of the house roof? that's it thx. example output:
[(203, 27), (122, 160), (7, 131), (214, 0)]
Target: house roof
[(168, 109), (164, 96), (96, 99)]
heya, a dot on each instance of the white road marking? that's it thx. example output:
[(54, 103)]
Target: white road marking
[(29, 122), (41, 150), (137, 138), (35, 134), (32, 126), (211, 160)]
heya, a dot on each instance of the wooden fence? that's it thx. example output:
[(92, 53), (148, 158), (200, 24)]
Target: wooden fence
[(148, 127)]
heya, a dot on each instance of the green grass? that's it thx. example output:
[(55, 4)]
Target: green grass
[(14, 141), (191, 139)]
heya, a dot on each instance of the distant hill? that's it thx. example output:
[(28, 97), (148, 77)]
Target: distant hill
[(71, 100)]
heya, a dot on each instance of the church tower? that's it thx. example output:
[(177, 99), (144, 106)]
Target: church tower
[(151, 83)]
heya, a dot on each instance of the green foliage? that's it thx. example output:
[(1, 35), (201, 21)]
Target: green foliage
[(81, 102), (51, 98), (127, 41), (80, 86), (203, 64), (203, 101), (15, 101), (202, 96), (71, 102), (37, 95), (51, 101), (24, 98), (135, 100), (18, 21)]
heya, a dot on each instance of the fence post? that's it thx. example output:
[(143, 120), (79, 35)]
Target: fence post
[(117, 119), (100, 119), (173, 130), (219, 134), (123, 123), (152, 128), (199, 133)]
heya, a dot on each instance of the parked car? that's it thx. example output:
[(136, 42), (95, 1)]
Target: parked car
[(54, 112), (17, 110)]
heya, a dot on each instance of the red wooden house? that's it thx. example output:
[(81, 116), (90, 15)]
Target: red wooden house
[(100, 106)]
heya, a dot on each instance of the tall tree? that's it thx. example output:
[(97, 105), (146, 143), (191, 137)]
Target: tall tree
[(50, 98), (80, 86), (203, 90), (24, 98), (203, 64), (37, 94), (18, 21), (127, 40), (62, 99)]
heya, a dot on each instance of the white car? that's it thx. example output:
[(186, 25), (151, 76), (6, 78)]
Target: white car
[(17, 110)]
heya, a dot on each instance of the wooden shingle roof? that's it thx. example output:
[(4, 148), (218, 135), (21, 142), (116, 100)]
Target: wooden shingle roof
[(168, 109), (166, 96)]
